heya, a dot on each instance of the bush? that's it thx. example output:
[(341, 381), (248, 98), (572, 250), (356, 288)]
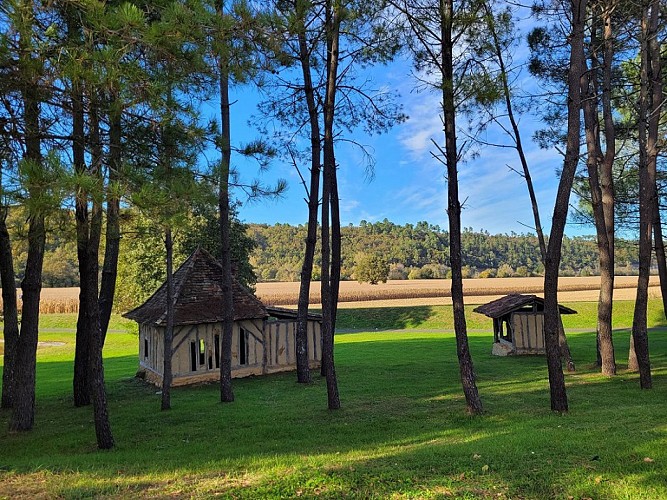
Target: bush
[(487, 273), (397, 271), (505, 271), (371, 268)]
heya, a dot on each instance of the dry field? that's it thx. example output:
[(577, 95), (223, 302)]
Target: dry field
[(435, 292), (401, 293)]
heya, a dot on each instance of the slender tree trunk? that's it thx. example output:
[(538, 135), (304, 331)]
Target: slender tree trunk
[(650, 101), (660, 251), (9, 310), (226, 390), (552, 262), (112, 244), (518, 144), (169, 330), (96, 368), (473, 400), (302, 367), (97, 386), (81, 382), (330, 242), (23, 409), (595, 164), (658, 103), (607, 356), (23, 414)]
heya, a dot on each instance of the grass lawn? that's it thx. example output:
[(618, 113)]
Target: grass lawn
[(402, 431)]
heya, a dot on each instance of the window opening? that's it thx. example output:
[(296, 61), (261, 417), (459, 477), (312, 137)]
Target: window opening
[(217, 351), (202, 352), (145, 348), (243, 340), (193, 356)]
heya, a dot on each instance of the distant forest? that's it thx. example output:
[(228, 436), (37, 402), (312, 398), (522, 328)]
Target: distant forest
[(421, 251)]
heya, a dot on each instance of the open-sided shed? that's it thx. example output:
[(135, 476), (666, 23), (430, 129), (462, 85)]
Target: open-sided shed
[(263, 339), (518, 323)]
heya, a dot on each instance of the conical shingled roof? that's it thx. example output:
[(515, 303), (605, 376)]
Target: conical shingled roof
[(197, 296)]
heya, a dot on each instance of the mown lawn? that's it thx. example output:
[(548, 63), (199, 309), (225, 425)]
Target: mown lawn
[(402, 431)]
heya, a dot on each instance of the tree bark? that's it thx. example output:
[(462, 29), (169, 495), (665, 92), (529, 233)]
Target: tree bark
[(302, 366), (466, 369), (552, 262), (330, 243), (112, 244), (81, 382), (23, 410), (95, 363), (9, 310), (518, 145), (596, 163), (659, 244), (226, 390), (169, 329), (650, 102)]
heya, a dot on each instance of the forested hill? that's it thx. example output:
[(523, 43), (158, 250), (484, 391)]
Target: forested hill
[(422, 251)]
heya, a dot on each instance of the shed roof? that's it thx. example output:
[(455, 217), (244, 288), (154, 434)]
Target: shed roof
[(197, 296), (512, 302), (283, 313)]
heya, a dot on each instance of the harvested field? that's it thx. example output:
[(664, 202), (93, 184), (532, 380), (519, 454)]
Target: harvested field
[(402, 293), (434, 292)]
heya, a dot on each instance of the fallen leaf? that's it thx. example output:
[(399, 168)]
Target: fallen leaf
[(598, 479), (485, 468), (476, 456), (648, 460)]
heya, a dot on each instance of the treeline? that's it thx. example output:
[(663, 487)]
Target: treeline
[(421, 251)]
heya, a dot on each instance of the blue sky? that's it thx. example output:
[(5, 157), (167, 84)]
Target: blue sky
[(408, 184)]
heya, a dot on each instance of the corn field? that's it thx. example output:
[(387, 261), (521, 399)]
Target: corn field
[(411, 292)]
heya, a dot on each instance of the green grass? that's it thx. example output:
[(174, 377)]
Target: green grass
[(67, 321), (440, 317), (401, 432)]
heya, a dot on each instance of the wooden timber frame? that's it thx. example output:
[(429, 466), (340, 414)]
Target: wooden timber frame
[(518, 323), (263, 341)]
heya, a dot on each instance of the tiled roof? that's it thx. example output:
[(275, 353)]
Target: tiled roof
[(197, 296), (505, 305)]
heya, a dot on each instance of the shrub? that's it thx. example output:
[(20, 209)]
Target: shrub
[(371, 268)]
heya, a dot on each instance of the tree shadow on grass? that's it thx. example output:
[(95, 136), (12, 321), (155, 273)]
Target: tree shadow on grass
[(402, 430), (386, 318)]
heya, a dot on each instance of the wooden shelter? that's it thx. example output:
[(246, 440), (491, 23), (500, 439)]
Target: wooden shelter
[(263, 341), (518, 323)]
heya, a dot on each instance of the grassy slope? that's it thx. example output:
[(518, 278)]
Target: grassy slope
[(402, 429), (440, 317)]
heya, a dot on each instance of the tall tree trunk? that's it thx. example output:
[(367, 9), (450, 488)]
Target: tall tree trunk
[(226, 390), (23, 410), (596, 163), (659, 244), (169, 330), (9, 309), (466, 369), (525, 170), (81, 382), (607, 356), (330, 242), (650, 102), (112, 244), (552, 262), (23, 414), (302, 366), (658, 103), (96, 368)]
